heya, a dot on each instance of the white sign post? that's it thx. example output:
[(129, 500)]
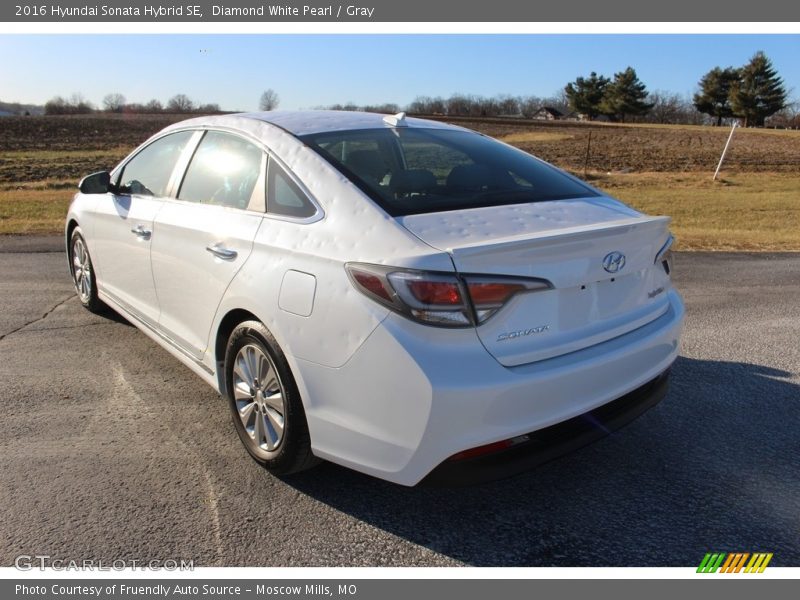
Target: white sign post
[(724, 150)]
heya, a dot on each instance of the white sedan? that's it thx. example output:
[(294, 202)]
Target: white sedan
[(407, 298)]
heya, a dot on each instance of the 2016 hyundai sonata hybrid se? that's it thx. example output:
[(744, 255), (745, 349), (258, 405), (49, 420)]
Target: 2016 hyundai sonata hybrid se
[(410, 299)]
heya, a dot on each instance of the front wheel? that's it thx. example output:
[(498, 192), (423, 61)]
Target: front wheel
[(265, 404), (80, 266)]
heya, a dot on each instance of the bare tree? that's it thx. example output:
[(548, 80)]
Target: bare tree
[(269, 100), (114, 102), (76, 105), (208, 108), (667, 107), (154, 106), (180, 103)]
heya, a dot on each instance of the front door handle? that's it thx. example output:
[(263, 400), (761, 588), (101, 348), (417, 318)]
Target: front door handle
[(141, 232), (222, 252)]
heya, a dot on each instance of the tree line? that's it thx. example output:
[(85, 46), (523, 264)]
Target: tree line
[(117, 103), (752, 93)]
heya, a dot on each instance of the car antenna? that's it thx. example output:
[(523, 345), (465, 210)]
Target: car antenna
[(398, 120)]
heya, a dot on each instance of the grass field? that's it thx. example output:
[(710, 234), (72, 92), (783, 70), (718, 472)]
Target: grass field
[(657, 169)]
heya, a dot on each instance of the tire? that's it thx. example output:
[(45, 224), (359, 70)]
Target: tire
[(266, 407), (82, 271)]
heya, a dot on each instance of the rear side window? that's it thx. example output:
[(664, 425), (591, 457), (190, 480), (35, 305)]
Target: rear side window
[(284, 197), (224, 171), (148, 173), (413, 170)]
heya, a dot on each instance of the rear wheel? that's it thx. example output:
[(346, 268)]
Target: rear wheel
[(80, 265), (265, 404)]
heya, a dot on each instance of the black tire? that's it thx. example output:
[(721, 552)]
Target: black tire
[(292, 452), (82, 270)]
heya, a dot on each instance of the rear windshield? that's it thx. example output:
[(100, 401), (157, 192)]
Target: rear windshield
[(410, 171)]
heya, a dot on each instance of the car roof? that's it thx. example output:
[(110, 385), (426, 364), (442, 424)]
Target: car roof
[(304, 122)]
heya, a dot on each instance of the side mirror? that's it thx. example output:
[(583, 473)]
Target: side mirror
[(96, 183)]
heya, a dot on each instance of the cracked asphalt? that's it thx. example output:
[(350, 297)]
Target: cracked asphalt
[(110, 449)]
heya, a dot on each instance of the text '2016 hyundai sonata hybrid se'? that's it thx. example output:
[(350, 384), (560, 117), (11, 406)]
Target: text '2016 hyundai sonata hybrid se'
[(400, 296)]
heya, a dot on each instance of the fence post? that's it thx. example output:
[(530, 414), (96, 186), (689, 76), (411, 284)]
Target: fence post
[(586, 160), (725, 150)]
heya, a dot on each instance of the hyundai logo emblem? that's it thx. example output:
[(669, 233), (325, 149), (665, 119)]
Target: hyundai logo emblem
[(613, 262)]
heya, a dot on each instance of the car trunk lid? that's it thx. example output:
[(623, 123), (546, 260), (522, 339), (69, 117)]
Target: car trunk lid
[(566, 243)]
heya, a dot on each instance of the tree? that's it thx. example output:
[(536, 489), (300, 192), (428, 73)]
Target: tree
[(114, 102), (154, 106), (625, 96), (585, 95), (667, 107), (76, 105), (759, 92), (55, 106), (714, 97), (425, 105), (180, 103), (269, 100), (210, 108)]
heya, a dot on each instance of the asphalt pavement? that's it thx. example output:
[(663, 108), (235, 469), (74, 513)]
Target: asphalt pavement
[(111, 449)]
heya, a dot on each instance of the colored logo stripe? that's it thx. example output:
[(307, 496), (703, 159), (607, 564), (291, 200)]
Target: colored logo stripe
[(758, 563), (733, 562), (710, 563)]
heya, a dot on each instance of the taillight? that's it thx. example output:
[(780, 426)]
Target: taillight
[(489, 293), (435, 298), (664, 256)]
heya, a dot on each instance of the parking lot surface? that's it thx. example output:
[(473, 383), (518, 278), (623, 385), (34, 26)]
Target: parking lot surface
[(111, 449)]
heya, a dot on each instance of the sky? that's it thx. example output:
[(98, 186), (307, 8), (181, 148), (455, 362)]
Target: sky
[(310, 71)]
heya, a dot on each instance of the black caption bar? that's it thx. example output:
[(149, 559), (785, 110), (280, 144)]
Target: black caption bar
[(465, 11), (379, 589)]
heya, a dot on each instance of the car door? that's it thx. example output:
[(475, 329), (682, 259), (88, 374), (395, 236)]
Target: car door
[(203, 236), (123, 224)]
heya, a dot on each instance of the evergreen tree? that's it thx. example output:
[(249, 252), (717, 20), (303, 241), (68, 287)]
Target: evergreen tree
[(625, 96), (713, 99), (585, 94), (759, 92)]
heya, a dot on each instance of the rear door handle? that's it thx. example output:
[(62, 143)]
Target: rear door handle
[(141, 232), (222, 252)]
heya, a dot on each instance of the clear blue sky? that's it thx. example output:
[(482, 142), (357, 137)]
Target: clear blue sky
[(314, 70)]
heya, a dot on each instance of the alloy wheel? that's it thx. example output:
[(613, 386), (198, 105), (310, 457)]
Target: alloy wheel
[(259, 397)]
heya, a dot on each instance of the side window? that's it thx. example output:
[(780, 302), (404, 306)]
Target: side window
[(283, 195), (148, 173), (224, 170)]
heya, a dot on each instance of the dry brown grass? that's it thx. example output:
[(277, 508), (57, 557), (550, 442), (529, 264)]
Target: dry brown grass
[(37, 208), (743, 211), (523, 137)]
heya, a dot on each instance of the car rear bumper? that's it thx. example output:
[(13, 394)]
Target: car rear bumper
[(553, 441), (413, 396)]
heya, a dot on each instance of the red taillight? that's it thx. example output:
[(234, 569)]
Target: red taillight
[(436, 292), (442, 299), (486, 293), (372, 283)]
